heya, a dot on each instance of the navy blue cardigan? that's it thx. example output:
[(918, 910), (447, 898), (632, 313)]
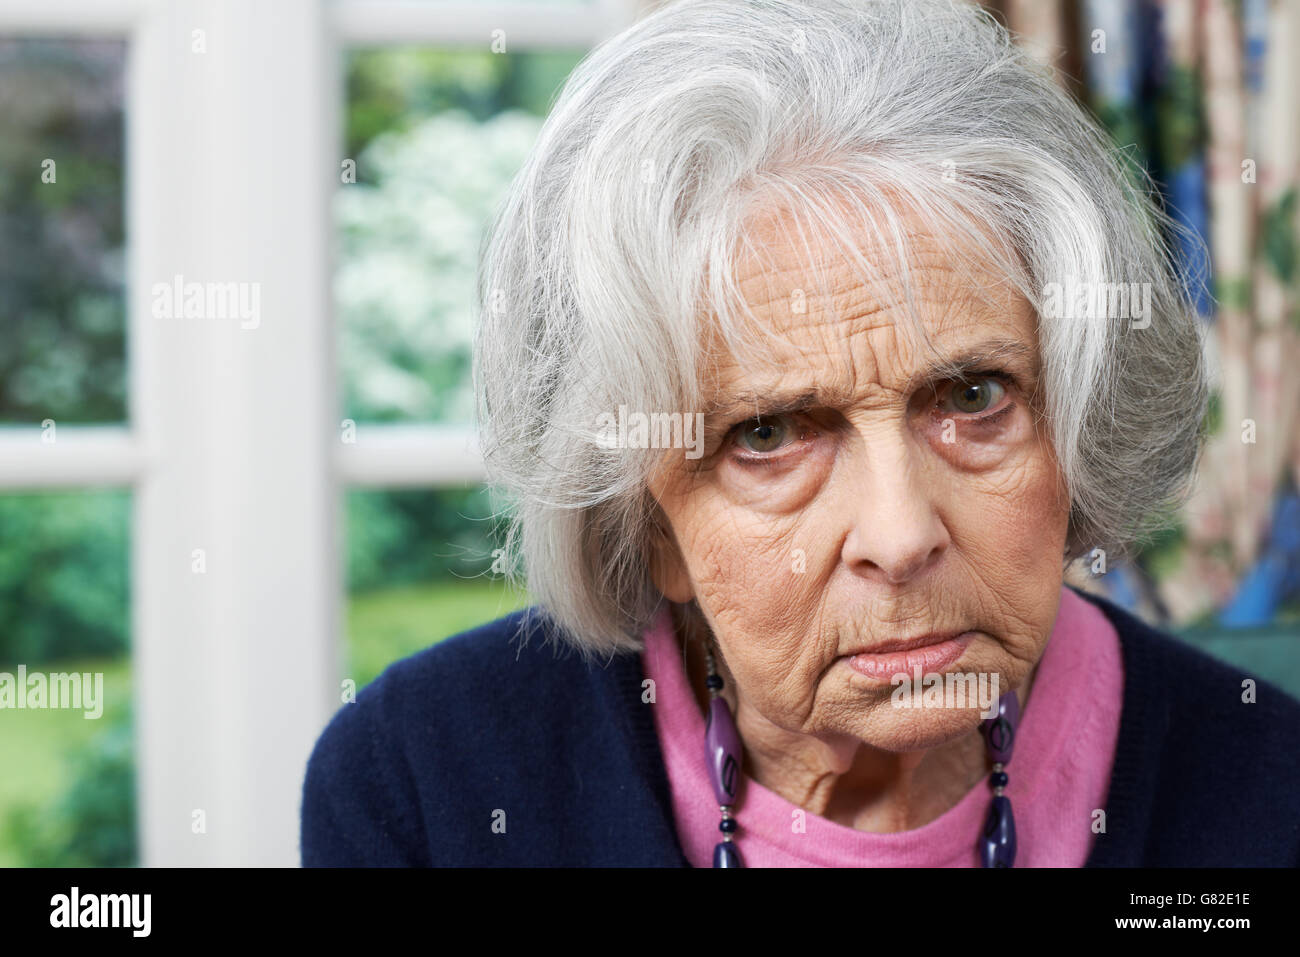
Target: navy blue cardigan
[(444, 748)]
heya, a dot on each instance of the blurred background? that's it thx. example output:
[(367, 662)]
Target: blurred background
[(133, 454)]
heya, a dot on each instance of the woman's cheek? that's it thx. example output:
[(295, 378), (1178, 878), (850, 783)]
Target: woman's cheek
[(749, 565), (1009, 523)]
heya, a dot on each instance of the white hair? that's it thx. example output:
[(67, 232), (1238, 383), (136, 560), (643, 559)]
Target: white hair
[(612, 257)]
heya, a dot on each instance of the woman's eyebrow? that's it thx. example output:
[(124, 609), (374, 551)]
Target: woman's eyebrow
[(768, 401), (986, 356), (1013, 355)]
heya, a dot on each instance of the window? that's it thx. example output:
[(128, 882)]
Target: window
[(220, 388)]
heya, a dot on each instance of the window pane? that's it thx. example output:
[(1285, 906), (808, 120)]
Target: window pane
[(435, 136), (421, 567), (65, 681), (62, 287)]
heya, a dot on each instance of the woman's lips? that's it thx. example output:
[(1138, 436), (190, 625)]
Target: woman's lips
[(931, 655)]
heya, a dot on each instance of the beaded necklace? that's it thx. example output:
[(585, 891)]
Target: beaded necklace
[(723, 755)]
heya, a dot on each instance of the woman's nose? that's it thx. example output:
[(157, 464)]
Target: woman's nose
[(897, 531)]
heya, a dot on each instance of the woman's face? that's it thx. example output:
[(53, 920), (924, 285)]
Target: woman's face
[(873, 499)]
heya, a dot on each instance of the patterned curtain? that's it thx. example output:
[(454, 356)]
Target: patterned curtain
[(1205, 94)]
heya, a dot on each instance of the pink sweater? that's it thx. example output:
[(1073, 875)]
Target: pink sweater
[(1060, 771)]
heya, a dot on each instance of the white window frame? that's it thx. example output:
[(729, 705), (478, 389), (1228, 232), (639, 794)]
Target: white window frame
[(232, 161)]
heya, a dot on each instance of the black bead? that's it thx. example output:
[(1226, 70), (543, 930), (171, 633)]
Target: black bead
[(726, 855), (714, 682), (727, 825), (997, 845), (998, 779)]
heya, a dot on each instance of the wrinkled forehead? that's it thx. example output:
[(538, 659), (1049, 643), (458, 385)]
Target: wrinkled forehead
[(885, 294)]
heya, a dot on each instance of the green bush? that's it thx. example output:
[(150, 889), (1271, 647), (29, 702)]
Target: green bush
[(416, 535), (93, 823), (64, 575)]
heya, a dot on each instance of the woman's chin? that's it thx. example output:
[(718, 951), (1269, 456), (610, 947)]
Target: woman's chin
[(920, 731), (911, 716)]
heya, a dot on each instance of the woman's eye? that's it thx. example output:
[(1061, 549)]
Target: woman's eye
[(976, 396), (764, 435)]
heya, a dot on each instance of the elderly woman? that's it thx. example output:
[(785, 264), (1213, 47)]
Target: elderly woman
[(817, 339)]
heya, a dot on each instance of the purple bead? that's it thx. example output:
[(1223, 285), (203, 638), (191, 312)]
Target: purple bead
[(998, 842), (726, 855), (722, 751), (1000, 732)]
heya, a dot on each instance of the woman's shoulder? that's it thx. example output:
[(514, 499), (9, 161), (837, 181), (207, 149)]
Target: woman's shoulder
[(1192, 680), (1205, 771), (516, 660), (480, 736), (516, 652)]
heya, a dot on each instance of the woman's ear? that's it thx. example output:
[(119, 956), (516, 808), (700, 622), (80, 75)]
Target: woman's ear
[(667, 567)]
